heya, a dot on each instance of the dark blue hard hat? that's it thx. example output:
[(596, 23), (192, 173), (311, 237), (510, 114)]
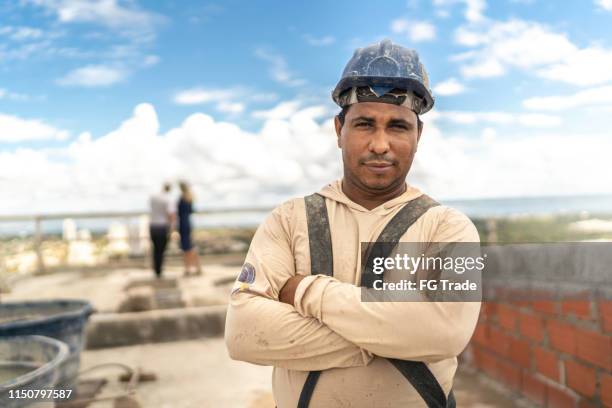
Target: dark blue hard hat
[(386, 66)]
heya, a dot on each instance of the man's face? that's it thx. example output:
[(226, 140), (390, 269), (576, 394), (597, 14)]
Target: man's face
[(378, 142)]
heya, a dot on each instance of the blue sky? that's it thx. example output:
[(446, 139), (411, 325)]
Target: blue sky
[(518, 83)]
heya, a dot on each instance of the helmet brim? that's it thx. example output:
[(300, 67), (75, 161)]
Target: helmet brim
[(409, 84)]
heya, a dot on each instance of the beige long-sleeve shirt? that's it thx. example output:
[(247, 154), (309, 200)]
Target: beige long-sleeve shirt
[(330, 328)]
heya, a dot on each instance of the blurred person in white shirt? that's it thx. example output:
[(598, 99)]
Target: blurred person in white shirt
[(162, 217)]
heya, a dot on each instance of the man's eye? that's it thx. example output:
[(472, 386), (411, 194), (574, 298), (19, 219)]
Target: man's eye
[(397, 126), (363, 124)]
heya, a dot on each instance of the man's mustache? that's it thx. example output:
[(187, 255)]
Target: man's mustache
[(378, 158)]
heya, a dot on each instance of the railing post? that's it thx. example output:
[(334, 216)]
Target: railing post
[(491, 230), (38, 237)]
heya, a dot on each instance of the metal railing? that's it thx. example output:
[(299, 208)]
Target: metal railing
[(36, 222)]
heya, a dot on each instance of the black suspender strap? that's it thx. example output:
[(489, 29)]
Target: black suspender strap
[(321, 258), (308, 389), (321, 262), (424, 382), (392, 233), (319, 236)]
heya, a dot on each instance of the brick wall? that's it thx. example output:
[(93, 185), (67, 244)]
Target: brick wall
[(557, 353)]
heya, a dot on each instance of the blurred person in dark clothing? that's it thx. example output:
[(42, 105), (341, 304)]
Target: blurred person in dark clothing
[(185, 208), (161, 222)]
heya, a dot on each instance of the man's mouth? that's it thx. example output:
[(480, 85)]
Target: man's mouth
[(378, 166)]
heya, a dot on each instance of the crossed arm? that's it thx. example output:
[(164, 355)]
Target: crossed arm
[(317, 322)]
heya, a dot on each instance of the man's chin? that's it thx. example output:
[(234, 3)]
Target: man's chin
[(377, 184)]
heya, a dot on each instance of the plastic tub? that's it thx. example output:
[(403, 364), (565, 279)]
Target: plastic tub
[(28, 363), (64, 320)]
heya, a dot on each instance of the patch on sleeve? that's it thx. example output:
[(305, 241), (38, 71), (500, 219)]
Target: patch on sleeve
[(246, 278), (247, 274)]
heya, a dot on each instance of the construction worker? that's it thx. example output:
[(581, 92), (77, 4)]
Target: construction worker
[(297, 304)]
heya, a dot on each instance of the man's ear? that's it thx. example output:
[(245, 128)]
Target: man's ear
[(338, 127)]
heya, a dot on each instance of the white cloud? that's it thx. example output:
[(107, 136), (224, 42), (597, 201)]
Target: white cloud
[(485, 68), (21, 33), (281, 111), (111, 13), (604, 4), (115, 36), (449, 87), (529, 120), (264, 97), (150, 60), (319, 41), (589, 66), (14, 129), (14, 96), (532, 47), (416, 31), (474, 9), (229, 166), (197, 96), (279, 69), (230, 100), (231, 107), (93, 76), (499, 164), (592, 96), (226, 164), (539, 120)]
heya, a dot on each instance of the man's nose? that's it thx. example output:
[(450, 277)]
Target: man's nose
[(379, 143)]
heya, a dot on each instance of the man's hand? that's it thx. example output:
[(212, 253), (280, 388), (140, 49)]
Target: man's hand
[(287, 293)]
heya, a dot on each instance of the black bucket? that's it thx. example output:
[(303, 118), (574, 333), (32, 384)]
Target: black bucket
[(64, 320)]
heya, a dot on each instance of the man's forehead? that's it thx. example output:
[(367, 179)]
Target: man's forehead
[(382, 111)]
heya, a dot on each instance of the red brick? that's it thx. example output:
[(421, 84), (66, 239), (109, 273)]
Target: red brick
[(531, 326), (509, 374), (490, 365), (605, 314), (580, 378), (586, 404), (499, 342), (520, 353), (595, 348), (533, 388), (561, 336), (486, 361), (579, 308), (606, 390), (507, 317), (520, 298), (481, 334), (487, 311), (544, 306), (547, 363), (558, 398), (490, 308)]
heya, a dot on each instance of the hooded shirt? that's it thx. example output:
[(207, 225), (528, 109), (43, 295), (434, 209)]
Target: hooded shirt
[(329, 327)]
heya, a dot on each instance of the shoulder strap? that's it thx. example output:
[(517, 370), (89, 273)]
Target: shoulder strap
[(392, 233), (321, 259), (308, 389), (319, 236), (424, 382)]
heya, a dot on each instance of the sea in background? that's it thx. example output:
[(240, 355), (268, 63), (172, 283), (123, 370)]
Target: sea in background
[(586, 206)]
